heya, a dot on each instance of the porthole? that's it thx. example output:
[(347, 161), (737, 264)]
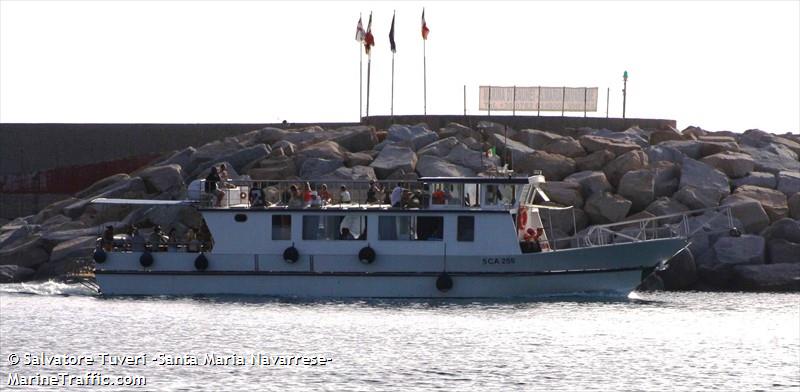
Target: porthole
[(240, 217)]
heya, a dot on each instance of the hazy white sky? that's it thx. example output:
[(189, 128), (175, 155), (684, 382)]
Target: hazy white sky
[(722, 65)]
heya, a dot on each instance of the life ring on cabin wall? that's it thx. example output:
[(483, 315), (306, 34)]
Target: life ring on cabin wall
[(366, 255), (201, 262), (522, 217), (243, 195), (146, 259), (291, 255), (99, 256)]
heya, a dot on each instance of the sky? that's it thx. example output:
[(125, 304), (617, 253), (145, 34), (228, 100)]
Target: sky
[(720, 65)]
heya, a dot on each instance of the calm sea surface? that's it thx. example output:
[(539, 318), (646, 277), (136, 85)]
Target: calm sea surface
[(650, 342)]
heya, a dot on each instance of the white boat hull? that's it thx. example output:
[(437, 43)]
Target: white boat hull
[(605, 269)]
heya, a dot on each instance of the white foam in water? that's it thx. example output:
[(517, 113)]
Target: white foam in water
[(47, 288)]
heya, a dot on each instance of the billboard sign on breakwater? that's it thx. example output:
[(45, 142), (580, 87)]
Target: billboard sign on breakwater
[(553, 99)]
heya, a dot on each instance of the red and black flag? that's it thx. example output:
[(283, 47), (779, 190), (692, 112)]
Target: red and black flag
[(425, 29), (369, 40), (391, 36)]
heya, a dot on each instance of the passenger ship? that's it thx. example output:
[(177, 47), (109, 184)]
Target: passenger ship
[(488, 238)]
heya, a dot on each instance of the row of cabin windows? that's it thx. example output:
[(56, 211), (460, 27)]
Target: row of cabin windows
[(354, 227)]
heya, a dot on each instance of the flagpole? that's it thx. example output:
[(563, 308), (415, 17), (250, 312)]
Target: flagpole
[(369, 68), (392, 108), (360, 83), (424, 78)]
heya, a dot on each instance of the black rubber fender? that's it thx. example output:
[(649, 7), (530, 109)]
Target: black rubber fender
[(735, 232), (291, 255), (201, 262), (366, 255), (99, 256), (444, 282), (146, 259)]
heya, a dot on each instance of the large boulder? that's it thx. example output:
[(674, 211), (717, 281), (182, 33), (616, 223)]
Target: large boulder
[(774, 202), (535, 138), (326, 150), (760, 139), (356, 138), (458, 131), (414, 137), (689, 148), (663, 153), (773, 158), (434, 166), (181, 158), (666, 206), (680, 272), (596, 143), (697, 198), (749, 212), (314, 168), (565, 146), (663, 135), (594, 161), (712, 184), (17, 233), (590, 181), (101, 185), (638, 186), (274, 169), (79, 247), (564, 193), (29, 253), (794, 206), (161, 179), (780, 250), (789, 182), (488, 128), (746, 249), (440, 147), (761, 179), (393, 158), (510, 149), (554, 167), (355, 173), (15, 273), (52, 210), (733, 164), (605, 207), (462, 155), (132, 188), (632, 160), (666, 177), (767, 277), (786, 228), (358, 159)]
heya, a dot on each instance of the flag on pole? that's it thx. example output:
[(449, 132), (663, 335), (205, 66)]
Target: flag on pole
[(425, 29), (491, 152), (360, 31), (391, 36), (369, 40)]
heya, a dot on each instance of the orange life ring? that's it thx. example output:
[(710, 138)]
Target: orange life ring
[(522, 218)]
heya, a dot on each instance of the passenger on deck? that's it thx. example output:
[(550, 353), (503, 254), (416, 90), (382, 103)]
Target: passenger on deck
[(316, 202), (307, 194), (157, 239), (107, 240), (372, 193), (438, 196), (137, 240), (212, 186), (223, 175), (193, 244), (397, 195), (324, 195), (344, 195), (295, 199), (257, 196), (346, 234)]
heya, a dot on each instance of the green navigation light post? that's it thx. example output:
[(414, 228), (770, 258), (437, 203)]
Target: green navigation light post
[(624, 91)]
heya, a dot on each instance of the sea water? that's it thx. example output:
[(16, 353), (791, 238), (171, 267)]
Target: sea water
[(66, 337)]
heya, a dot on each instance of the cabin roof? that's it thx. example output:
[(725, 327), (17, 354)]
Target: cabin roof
[(476, 180)]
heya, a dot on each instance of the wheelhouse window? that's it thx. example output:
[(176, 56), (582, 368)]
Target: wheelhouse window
[(499, 194), (445, 194), (410, 228), (325, 227), (281, 227), (466, 228)]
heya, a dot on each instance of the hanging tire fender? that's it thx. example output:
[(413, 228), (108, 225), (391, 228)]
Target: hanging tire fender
[(444, 282), (291, 255), (146, 259), (366, 255), (201, 262), (99, 256)]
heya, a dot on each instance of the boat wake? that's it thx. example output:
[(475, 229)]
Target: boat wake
[(47, 288)]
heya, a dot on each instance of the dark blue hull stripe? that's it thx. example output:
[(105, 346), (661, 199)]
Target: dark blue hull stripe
[(365, 274)]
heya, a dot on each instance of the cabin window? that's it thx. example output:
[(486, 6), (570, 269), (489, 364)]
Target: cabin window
[(281, 227), (240, 218), (466, 228), (334, 227), (410, 228)]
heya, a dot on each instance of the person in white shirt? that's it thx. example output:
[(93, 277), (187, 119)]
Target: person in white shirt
[(397, 195), (344, 195)]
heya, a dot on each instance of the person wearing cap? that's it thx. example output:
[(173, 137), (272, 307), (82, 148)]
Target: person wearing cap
[(344, 195), (316, 202)]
